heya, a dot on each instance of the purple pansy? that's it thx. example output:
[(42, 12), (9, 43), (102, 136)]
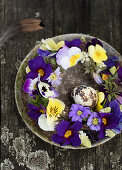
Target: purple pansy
[(67, 134), (43, 53), (78, 112), (30, 85), (117, 112), (110, 120), (38, 66), (35, 111), (111, 61), (94, 121), (73, 43), (120, 73), (93, 42)]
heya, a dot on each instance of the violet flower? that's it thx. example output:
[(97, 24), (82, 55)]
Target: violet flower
[(110, 120), (35, 112), (38, 65), (78, 112), (67, 134), (73, 43), (94, 121), (55, 77), (111, 61), (43, 53), (30, 85)]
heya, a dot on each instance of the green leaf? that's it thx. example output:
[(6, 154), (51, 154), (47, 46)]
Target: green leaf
[(53, 61), (39, 100)]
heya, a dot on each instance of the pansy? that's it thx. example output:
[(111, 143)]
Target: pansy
[(67, 134), (68, 57), (55, 77), (111, 61), (38, 66), (97, 53), (73, 43), (54, 109), (43, 53), (110, 120), (101, 97), (78, 112), (46, 90), (94, 42), (85, 141), (30, 85), (35, 111), (42, 122), (49, 44), (94, 121)]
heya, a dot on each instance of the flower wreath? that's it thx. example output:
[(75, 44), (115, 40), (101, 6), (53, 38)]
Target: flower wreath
[(95, 114)]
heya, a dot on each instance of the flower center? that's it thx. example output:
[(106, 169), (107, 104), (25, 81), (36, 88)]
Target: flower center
[(79, 112), (95, 121), (54, 111), (98, 54), (41, 72), (104, 121), (42, 111), (44, 89), (74, 59), (53, 76), (68, 134)]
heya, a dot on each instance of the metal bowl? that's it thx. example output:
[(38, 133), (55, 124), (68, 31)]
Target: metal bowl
[(22, 98)]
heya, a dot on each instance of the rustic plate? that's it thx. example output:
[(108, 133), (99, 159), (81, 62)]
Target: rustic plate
[(22, 98)]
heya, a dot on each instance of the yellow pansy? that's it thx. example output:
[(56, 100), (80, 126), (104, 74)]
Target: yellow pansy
[(97, 53), (49, 44), (101, 97), (54, 109)]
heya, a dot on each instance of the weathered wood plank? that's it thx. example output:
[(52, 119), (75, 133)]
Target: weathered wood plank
[(13, 52)]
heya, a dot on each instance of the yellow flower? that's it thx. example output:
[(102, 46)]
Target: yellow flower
[(49, 44), (54, 109), (101, 97), (105, 76), (97, 53)]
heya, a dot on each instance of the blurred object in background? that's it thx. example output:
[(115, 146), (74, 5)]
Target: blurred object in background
[(25, 25)]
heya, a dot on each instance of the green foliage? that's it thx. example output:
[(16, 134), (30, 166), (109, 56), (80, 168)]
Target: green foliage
[(39, 100), (111, 87)]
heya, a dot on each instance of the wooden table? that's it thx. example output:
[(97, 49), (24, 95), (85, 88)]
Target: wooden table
[(20, 148)]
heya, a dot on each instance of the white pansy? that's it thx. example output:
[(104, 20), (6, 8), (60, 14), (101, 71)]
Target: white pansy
[(42, 122)]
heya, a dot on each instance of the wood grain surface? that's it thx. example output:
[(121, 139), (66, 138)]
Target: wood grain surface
[(20, 148)]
